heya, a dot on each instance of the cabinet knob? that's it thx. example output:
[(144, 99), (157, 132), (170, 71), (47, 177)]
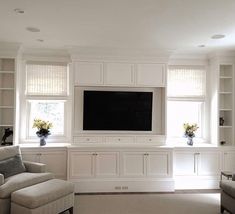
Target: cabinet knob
[(150, 139), (119, 139), (87, 139)]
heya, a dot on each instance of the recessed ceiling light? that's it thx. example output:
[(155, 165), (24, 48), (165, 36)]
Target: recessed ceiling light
[(40, 40), (201, 46), (33, 29), (218, 36), (19, 11)]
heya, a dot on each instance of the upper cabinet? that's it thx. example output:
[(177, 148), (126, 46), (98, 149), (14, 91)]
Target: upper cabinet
[(120, 74), (150, 75), (88, 73)]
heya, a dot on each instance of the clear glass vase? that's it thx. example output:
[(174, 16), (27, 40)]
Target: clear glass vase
[(190, 141)]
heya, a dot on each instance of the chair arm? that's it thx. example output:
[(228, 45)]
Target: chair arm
[(34, 167), (1, 179)]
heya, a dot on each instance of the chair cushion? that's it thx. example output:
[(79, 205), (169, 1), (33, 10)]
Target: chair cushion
[(22, 180), (43, 193), (9, 151), (228, 186), (11, 166)]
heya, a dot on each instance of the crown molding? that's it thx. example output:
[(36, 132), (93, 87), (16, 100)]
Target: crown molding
[(9, 50), (118, 54), (45, 54)]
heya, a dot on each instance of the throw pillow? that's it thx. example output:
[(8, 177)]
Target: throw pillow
[(11, 166)]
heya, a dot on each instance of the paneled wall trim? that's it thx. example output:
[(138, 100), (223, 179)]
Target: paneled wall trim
[(119, 74)]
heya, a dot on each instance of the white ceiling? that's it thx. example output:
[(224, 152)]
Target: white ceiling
[(131, 24)]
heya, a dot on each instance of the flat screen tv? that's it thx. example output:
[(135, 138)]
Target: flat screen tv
[(117, 111)]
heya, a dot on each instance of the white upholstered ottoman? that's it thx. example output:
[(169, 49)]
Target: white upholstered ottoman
[(50, 197)]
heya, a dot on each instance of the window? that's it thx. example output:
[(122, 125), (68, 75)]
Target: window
[(186, 93), (46, 94)]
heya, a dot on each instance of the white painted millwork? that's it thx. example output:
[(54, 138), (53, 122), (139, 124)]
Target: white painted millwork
[(55, 159), (119, 74), (7, 95), (197, 168), (229, 160), (88, 73), (91, 164), (120, 169), (150, 75)]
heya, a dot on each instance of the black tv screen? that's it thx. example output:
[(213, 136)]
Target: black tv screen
[(117, 111)]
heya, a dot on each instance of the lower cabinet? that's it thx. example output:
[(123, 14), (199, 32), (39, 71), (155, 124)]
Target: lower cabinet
[(120, 170), (55, 159), (197, 168), (93, 164), (229, 160), (146, 164)]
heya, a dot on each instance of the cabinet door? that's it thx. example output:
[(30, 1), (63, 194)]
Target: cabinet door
[(229, 161), (150, 75), (107, 164), (88, 73), (119, 74), (81, 165), (209, 163), (157, 164), (31, 156), (184, 163), (56, 162), (133, 164)]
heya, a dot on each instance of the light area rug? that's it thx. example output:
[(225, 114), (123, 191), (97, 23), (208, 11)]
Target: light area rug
[(205, 203)]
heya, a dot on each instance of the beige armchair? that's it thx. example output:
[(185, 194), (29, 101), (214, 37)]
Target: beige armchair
[(30, 173), (227, 195)]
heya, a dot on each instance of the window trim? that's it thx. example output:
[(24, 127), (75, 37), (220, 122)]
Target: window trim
[(203, 99), (24, 137)]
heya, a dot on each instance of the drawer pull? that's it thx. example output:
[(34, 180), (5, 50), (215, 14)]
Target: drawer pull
[(87, 139)]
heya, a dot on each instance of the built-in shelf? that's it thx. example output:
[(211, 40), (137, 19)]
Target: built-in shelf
[(225, 77), (7, 95), (225, 127), (226, 106), (7, 72), (225, 92)]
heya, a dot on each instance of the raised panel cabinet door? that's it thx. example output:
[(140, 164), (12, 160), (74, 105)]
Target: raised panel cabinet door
[(209, 163), (81, 165), (88, 73), (150, 75), (133, 164), (157, 164), (119, 74), (229, 161), (107, 164), (56, 162), (184, 163), (31, 156)]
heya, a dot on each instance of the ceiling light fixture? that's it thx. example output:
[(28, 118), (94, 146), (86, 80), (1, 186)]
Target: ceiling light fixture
[(218, 36), (19, 11), (33, 29)]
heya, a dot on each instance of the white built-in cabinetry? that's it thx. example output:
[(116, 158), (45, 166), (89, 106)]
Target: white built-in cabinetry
[(118, 169), (226, 94), (200, 167), (7, 95), (120, 74), (222, 101), (54, 158)]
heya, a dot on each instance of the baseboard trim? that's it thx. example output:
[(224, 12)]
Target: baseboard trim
[(124, 186)]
